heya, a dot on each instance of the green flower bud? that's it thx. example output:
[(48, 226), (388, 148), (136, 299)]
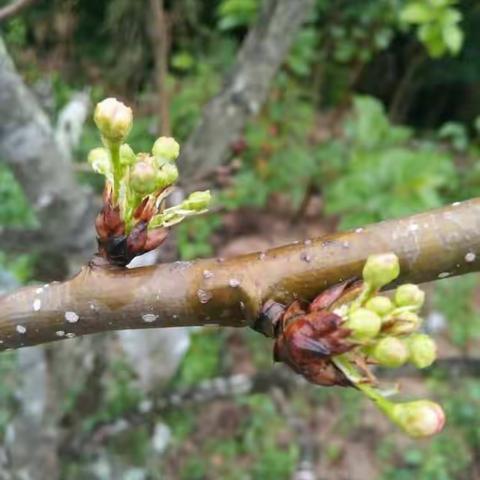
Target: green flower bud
[(143, 178), (99, 160), (167, 175), (420, 418), (405, 323), (379, 270), (113, 119), (127, 155), (197, 201), (390, 352), (364, 324), (380, 305), (423, 350), (409, 295), (166, 147)]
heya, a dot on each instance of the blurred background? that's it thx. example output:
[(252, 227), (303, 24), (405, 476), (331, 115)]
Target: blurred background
[(303, 117)]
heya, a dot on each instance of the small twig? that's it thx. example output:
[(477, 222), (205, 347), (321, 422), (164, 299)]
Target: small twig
[(278, 378), (161, 402), (160, 37), (14, 8)]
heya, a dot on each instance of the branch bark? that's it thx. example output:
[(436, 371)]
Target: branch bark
[(245, 89), (13, 8), (27, 145), (430, 245)]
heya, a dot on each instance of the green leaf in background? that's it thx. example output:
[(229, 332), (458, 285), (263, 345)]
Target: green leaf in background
[(437, 24), (236, 13), (382, 176), (417, 12)]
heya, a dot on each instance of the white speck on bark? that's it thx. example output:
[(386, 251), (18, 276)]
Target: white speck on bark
[(203, 295), (149, 317), (60, 333), (207, 274), (71, 317), (305, 257), (470, 257), (444, 275), (21, 329), (234, 282), (37, 304)]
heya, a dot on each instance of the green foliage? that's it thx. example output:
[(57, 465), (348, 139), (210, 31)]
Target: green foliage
[(303, 51), (20, 266), (16, 32), (445, 457), (273, 461), (194, 237), (454, 298), (236, 13), (357, 31), (14, 211), (120, 394), (202, 359), (382, 173), (8, 386), (278, 155), (256, 439), (193, 91), (437, 25)]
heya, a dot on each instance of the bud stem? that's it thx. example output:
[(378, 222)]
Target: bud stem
[(351, 373), (116, 168)]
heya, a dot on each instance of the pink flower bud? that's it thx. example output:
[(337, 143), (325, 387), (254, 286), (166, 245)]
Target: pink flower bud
[(113, 119), (143, 178), (420, 418)]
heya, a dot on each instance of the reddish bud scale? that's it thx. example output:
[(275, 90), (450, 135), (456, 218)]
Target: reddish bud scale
[(307, 338), (113, 243)]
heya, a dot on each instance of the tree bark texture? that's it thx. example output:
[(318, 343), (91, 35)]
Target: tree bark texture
[(27, 145), (245, 89), (431, 245)]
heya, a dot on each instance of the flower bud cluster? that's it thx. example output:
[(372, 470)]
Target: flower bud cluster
[(136, 184), (386, 326), (385, 331)]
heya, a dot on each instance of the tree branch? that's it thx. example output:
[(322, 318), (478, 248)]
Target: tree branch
[(245, 89), (13, 8), (18, 240), (27, 145), (277, 377), (431, 245)]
